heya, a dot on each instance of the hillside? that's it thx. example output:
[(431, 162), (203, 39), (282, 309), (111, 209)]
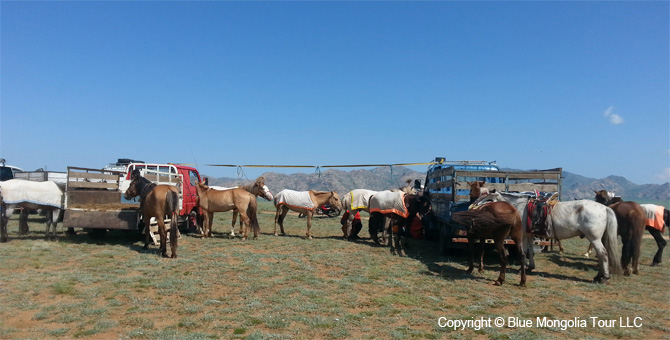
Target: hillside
[(574, 186)]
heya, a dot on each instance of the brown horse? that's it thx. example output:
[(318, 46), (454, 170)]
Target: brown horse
[(303, 202), (156, 201), (631, 221), (258, 188), (477, 189), (494, 220), (211, 201)]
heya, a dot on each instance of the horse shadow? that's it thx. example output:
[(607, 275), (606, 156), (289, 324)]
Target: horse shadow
[(453, 266)]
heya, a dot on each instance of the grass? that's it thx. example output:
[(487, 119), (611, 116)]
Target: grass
[(287, 287)]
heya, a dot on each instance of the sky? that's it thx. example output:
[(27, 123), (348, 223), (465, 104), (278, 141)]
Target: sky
[(580, 85)]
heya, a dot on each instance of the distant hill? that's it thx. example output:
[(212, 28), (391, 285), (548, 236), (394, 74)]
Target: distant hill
[(574, 186)]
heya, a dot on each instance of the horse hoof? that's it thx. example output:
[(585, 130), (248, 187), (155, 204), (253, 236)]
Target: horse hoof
[(654, 264), (498, 283), (145, 247), (165, 255), (636, 272), (174, 256)]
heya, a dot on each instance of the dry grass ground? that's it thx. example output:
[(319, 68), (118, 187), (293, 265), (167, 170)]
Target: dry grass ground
[(287, 287)]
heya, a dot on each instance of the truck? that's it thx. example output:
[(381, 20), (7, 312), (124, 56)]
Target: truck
[(94, 197), (41, 175), (8, 172), (446, 184)]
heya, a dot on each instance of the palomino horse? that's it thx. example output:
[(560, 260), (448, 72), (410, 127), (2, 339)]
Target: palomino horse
[(569, 219), (211, 201), (495, 220), (258, 188), (18, 193), (303, 202), (632, 220), (359, 199), (156, 201), (401, 209)]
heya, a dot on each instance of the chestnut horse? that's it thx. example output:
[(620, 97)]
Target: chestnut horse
[(632, 220), (303, 202), (211, 201), (156, 201), (258, 188), (477, 189), (495, 220)]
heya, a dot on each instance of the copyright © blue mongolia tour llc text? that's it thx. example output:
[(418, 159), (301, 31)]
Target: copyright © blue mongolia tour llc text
[(539, 322)]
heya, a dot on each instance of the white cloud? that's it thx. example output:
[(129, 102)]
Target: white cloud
[(613, 117), (665, 175)]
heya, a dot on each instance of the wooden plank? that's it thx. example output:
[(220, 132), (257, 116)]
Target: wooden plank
[(122, 219), (533, 186), (93, 175), (92, 185), (535, 175), (476, 173), (92, 197)]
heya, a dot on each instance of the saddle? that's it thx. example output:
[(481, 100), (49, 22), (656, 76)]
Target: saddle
[(538, 211)]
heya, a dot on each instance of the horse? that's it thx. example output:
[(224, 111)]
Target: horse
[(495, 220), (582, 218), (303, 202), (477, 189), (258, 188), (211, 201), (401, 209), (18, 193), (636, 218), (156, 201), (359, 200)]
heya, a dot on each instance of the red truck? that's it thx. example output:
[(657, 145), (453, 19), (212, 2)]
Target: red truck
[(94, 197)]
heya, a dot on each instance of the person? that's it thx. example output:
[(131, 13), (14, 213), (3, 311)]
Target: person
[(356, 225)]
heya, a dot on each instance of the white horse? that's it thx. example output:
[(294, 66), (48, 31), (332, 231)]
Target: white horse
[(18, 193), (584, 218)]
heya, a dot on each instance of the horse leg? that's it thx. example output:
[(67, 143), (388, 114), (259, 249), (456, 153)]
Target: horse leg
[(163, 234), (626, 254), (471, 258), (500, 246), (48, 225), (603, 261), (530, 252), (23, 222), (174, 234), (636, 244), (482, 242), (147, 231), (518, 241), (309, 224), (349, 222), (7, 211), (660, 242), (279, 218), (244, 217), (210, 224), (232, 226), (588, 251)]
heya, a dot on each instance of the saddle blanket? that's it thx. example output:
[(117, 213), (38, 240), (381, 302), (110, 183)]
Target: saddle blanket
[(360, 199), (387, 202), (296, 199), (16, 191), (654, 215)]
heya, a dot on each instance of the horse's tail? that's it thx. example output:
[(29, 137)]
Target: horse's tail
[(173, 205), (252, 214), (610, 241)]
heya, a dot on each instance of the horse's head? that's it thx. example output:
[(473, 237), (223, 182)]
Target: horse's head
[(334, 200), (606, 197), (263, 189), (201, 187), (133, 189), (476, 189)]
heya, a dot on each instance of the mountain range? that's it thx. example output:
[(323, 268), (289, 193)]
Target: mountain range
[(382, 178)]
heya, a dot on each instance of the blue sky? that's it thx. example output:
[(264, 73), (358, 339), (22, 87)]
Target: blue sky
[(532, 85)]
